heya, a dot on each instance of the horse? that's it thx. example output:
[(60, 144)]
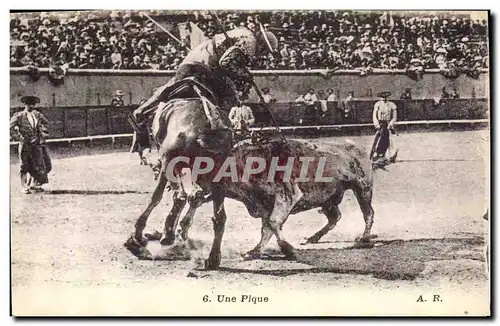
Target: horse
[(346, 166), (188, 124)]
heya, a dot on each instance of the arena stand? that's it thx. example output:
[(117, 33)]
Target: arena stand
[(308, 40)]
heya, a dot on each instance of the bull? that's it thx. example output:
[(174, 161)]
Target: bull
[(274, 198)]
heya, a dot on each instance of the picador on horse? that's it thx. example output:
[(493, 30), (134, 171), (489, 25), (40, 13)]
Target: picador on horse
[(217, 69)]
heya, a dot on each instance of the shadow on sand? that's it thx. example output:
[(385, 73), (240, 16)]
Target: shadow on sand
[(389, 259), (93, 192)]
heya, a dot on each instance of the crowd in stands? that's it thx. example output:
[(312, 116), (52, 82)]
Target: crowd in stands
[(307, 40)]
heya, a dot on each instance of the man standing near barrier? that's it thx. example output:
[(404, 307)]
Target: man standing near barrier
[(311, 112), (29, 127), (384, 118), (241, 117), (117, 101)]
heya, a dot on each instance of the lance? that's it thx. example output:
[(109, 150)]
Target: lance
[(220, 24), (163, 29)]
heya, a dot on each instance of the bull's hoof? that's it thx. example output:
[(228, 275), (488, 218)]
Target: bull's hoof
[(363, 245), (168, 240), (393, 158), (252, 255), (213, 261), (141, 242), (211, 265), (288, 250), (366, 237), (309, 240), (153, 236)]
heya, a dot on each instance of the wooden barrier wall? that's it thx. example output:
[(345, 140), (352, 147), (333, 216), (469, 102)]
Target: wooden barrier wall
[(68, 122)]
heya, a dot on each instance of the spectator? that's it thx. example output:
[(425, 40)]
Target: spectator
[(321, 95), (348, 105), (444, 94), (406, 95), (331, 95), (117, 101), (116, 58), (337, 40), (125, 64), (311, 102), (268, 98), (321, 106), (136, 63), (454, 94)]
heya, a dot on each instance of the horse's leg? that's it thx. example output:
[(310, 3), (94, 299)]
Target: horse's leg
[(333, 215), (219, 222), (179, 186), (364, 198), (143, 159), (179, 202), (187, 221), (196, 192), (140, 224)]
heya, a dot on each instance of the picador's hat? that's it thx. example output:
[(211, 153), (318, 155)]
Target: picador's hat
[(384, 94), (30, 99)]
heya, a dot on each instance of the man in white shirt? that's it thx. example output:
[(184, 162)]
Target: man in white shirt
[(348, 107), (384, 118), (116, 58), (241, 117), (311, 100), (331, 95)]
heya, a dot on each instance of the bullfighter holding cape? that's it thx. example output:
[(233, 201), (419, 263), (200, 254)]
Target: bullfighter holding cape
[(384, 118), (29, 127)]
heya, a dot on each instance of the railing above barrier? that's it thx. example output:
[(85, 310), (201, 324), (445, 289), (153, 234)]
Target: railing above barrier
[(150, 72)]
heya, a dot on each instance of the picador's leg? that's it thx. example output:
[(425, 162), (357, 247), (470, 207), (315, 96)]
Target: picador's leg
[(146, 108)]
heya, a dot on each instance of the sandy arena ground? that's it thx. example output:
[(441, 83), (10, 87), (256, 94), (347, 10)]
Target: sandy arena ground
[(68, 256)]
